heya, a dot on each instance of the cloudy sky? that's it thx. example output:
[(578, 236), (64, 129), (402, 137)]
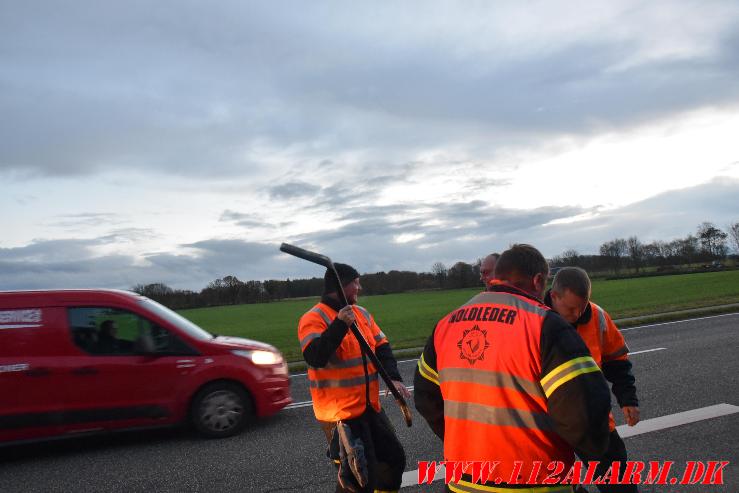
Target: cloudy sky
[(179, 142)]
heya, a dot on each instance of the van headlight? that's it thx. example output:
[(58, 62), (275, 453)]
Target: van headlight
[(259, 357)]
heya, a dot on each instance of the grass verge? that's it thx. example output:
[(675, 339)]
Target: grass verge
[(408, 318)]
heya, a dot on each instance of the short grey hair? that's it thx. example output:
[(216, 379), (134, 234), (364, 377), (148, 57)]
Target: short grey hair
[(573, 278)]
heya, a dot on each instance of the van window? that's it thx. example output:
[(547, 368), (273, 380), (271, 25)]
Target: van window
[(112, 331), (177, 320)]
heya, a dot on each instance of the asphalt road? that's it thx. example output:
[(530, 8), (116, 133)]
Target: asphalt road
[(697, 367)]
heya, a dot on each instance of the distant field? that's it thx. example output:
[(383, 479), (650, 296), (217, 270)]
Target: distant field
[(408, 318)]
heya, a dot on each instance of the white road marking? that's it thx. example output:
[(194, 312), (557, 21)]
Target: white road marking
[(680, 321), (296, 405), (677, 419), (647, 351), (410, 478)]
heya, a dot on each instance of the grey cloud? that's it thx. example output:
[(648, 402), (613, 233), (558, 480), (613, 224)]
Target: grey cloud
[(99, 86), (129, 235), (471, 230), (245, 220), (234, 249), (371, 234), (86, 219), (359, 189), (292, 190), (484, 184), (249, 220), (50, 250), (666, 216), (74, 264)]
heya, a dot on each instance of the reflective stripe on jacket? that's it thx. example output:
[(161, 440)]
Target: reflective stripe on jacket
[(338, 389)]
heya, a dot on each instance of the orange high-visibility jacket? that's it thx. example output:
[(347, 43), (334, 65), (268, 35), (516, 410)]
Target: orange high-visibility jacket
[(603, 339), (506, 397), (338, 390)]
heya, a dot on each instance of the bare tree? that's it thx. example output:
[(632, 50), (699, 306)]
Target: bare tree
[(734, 235), (614, 250), (570, 257), (653, 253), (636, 252), (712, 239), (440, 271), (686, 249)]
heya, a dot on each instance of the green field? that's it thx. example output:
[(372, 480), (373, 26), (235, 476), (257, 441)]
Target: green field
[(408, 318)]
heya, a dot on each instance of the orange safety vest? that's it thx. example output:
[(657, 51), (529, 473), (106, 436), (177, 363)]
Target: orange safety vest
[(338, 390), (490, 373), (604, 341)]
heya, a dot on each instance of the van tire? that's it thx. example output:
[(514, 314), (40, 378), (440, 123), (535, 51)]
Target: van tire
[(221, 409)]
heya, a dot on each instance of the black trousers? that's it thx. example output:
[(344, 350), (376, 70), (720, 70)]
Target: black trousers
[(616, 452), (384, 452)]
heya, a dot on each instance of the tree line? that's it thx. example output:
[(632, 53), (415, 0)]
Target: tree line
[(709, 244)]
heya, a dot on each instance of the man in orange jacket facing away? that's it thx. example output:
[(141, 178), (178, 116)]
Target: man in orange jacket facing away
[(505, 379), (344, 385), (570, 297)]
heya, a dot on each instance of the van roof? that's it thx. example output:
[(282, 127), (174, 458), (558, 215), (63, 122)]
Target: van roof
[(50, 296)]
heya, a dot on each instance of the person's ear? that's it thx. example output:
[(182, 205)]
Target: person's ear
[(538, 282)]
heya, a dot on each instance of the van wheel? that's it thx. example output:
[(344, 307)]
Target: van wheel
[(220, 409)]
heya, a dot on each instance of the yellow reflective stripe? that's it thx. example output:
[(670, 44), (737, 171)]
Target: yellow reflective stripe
[(386, 491), (424, 373), (468, 487), (566, 372), (569, 377), (433, 372), (563, 367)]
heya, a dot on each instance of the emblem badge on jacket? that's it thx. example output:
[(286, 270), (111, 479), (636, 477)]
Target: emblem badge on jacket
[(473, 344)]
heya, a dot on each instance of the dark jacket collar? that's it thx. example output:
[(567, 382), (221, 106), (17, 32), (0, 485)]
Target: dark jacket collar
[(332, 302), (584, 318), (504, 287), (586, 315)]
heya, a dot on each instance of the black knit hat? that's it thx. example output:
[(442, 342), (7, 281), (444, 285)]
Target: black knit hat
[(347, 274)]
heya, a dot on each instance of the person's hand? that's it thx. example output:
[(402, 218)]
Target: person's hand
[(401, 388), (346, 315), (631, 415)]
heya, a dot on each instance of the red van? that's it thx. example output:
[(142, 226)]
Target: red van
[(78, 361)]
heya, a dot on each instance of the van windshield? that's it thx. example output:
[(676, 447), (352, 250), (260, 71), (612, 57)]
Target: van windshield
[(176, 319)]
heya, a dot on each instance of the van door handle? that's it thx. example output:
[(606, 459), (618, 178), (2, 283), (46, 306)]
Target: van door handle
[(85, 370), (38, 372)]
